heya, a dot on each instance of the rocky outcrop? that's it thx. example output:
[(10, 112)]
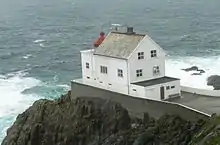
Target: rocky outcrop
[(94, 121), (209, 134), (214, 81), (194, 68)]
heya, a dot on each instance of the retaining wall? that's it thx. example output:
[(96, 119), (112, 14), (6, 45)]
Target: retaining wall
[(138, 106), (213, 93)]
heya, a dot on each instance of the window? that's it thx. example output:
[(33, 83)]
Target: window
[(153, 53), (172, 87), (139, 73), (156, 70), (87, 65), (140, 55), (104, 69), (120, 72), (168, 87)]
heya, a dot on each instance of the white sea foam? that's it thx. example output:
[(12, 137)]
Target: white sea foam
[(11, 88), (211, 65), (39, 41), (13, 101), (27, 56), (42, 45)]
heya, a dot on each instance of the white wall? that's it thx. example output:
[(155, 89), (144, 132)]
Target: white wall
[(111, 80), (213, 93), (153, 92), (172, 91), (147, 63), (87, 57), (137, 91)]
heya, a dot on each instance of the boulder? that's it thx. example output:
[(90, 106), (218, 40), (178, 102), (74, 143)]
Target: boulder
[(193, 68), (214, 81)]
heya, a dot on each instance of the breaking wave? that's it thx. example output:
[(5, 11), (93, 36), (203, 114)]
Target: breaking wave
[(210, 65)]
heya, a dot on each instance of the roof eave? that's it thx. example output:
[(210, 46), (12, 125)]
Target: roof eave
[(110, 56)]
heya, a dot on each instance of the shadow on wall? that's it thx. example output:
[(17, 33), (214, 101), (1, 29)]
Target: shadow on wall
[(137, 106)]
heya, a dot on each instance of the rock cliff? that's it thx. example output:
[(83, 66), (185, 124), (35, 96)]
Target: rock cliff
[(89, 121)]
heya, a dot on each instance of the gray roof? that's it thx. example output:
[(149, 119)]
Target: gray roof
[(119, 45), (156, 81)]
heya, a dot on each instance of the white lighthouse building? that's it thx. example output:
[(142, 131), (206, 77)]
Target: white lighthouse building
[(131, 64)]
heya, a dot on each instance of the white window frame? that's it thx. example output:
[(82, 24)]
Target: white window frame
[(153, 53), (103, 69), (120, 73), (139, 73), (87, 65), (156, 70), (140, 55)]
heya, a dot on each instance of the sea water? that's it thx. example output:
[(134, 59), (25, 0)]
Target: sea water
[(40, 42)]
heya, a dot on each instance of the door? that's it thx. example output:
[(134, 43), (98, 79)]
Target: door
[(162, 97)]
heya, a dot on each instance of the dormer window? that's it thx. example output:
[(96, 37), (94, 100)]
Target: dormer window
[(153, 53), (140, 55), (156, 70)]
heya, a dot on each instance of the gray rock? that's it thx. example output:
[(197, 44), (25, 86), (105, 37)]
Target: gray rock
[(193, 68), (94, 121), (214, 81), (196, 74)]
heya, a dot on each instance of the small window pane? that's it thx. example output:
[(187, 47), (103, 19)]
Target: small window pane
[(156, 70), (139, 73), (153, 53), (87, 65), (140, 55), (120, 72), (103, 69)]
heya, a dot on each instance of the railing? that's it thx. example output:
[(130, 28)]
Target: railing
[(205, 92)]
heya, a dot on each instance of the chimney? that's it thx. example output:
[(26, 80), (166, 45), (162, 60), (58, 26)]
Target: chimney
[(130, 30)]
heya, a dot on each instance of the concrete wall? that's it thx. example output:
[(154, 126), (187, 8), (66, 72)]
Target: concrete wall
[(213, 93), (137, 106), (146, 64)]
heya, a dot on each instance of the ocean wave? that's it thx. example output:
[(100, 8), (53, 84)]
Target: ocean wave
[(210, 65), (18, 92), (13, 101), (39, 41), (11, 87), (27, 56)]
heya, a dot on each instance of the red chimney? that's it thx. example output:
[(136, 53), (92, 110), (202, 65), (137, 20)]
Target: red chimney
[(99, 40)]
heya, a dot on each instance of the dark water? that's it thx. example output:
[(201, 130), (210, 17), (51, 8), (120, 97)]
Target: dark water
[(31, 69)]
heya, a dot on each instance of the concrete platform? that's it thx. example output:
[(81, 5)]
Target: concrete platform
[(202, 103), (138, 106)]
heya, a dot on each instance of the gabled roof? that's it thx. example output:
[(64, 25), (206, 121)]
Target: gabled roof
[(119, 45)]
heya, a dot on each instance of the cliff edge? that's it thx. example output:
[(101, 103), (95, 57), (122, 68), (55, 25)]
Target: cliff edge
[(94, 121)]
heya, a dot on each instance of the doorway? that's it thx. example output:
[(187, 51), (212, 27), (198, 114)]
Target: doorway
[(162, 97)]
